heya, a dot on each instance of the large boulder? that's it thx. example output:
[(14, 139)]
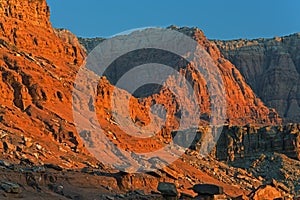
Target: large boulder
[(207, 189), (167, 189), (265, 192)]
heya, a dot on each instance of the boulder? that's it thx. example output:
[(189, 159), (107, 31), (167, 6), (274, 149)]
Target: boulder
[(265, 192), (167, 189), (207, 189)]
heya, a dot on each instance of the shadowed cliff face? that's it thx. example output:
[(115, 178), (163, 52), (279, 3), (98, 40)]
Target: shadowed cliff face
[(271, 67)]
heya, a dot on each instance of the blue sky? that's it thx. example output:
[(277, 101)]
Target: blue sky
[(219, 19)]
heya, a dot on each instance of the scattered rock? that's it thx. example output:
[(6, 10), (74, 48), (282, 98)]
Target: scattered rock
[(27, 141), (26, 161), (170, 172), (1, 147), (10, 187), (39, 147), (167, 189)]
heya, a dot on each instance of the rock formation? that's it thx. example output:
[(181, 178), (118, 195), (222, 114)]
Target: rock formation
[(271, 68), (250, 142)]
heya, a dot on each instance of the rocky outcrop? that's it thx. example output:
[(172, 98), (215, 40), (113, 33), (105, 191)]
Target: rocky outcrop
[(248, 142), (38, 65), (271, 67)]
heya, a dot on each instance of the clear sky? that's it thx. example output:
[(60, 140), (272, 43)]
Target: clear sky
[(219, 19)]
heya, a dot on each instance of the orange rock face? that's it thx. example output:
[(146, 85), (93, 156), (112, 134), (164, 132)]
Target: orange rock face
[(243, 106), (38, 65)]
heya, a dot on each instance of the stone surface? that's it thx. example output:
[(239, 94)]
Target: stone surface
[(57, 188)]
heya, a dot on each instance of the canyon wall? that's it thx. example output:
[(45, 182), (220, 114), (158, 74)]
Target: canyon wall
[(271, 67)]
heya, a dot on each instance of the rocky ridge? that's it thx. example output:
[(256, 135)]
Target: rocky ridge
[(242, 104)]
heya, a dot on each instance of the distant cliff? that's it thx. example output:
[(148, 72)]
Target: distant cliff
[(272, 68)]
